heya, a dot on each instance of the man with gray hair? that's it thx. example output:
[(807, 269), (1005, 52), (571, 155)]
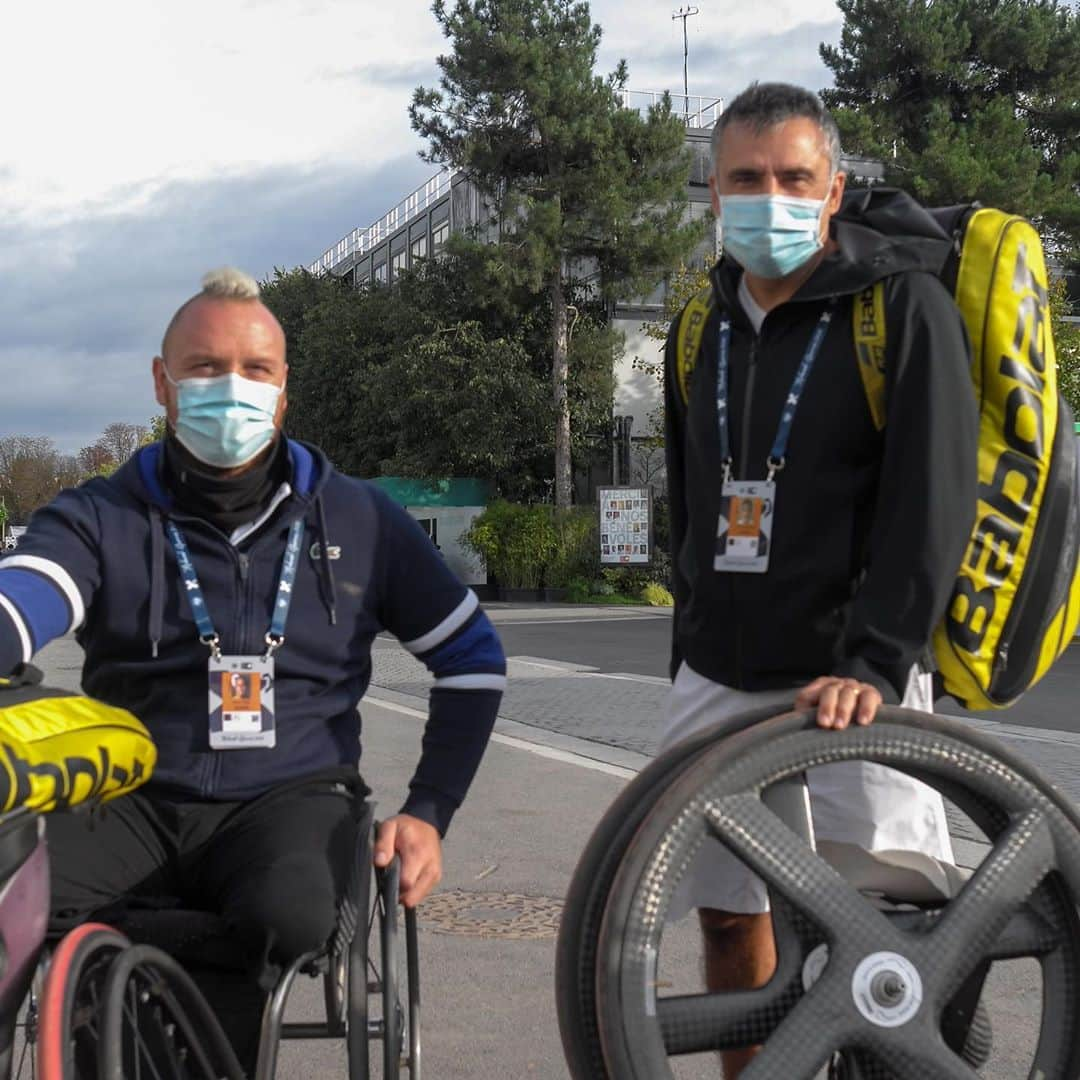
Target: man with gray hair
[(866, 524), (226, 585)]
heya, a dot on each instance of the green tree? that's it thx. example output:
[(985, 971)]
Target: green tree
[(1066, 345), (967, 99), (32, 471), (578, 186), (443, 373)]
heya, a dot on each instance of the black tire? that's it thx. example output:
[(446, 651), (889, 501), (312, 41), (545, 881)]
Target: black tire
[(1022, 901), (354, 1007), (412, 960), (389, 881), (153, 1013), (70, 1001), (579, 930)]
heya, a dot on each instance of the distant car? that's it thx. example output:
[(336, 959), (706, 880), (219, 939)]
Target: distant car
[(11, 543)]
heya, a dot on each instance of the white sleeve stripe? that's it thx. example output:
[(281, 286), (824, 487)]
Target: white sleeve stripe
[(58, 576), (20, 628), (472, 682), (454, 621)]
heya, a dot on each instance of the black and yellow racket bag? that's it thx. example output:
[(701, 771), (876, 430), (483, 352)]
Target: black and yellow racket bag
[(59, 749)]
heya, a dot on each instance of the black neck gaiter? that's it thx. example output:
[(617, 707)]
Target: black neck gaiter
[(227, 502)]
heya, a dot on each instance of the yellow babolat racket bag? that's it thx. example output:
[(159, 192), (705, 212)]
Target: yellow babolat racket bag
[(59, 749), (1016, 602)]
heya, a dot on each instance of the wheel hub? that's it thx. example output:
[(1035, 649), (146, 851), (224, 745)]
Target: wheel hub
[(887, 989)]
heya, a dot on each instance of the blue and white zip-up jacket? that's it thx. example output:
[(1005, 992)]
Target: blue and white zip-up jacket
[(97, 561)]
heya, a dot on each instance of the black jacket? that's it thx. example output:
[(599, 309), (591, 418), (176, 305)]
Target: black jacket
[(870, 527)]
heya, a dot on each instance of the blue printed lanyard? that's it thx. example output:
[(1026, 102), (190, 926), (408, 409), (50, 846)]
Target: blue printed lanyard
[(275, 636), (776, 459)]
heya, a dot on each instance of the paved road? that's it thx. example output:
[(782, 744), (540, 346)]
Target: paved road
[(639, 643)]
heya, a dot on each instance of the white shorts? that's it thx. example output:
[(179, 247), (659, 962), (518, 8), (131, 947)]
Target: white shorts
[(857, 807)]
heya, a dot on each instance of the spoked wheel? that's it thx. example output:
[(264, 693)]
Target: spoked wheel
[(579, 928), (155, 1022), (884, 982), (70, 1010), (400, 1025), (113, 1010)]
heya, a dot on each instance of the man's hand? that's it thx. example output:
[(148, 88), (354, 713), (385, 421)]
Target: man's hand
[(839, 701), (420, 848)]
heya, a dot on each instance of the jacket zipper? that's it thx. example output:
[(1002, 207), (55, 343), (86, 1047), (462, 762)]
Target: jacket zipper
[(212, 781), (742, 471)]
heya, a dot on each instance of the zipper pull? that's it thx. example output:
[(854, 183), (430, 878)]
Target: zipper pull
[(243, 566)]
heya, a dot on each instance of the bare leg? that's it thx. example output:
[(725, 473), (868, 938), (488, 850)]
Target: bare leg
[(740, 954)]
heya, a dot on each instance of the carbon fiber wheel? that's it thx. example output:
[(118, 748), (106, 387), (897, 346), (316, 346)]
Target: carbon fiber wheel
[(886, 980), (579, 928)]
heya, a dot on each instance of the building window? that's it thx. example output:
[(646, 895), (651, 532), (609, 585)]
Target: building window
[(418, 248), (439, 235), (380, 274), (398, 262)]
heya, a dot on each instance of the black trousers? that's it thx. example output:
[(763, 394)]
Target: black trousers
[(274, 868)]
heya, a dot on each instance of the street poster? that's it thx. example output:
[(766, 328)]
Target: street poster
[(625, 526)]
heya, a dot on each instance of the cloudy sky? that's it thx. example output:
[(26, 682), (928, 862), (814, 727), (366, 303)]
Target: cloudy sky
[(144, 141)]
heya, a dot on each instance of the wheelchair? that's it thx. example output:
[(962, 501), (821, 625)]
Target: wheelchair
[(868, 985), (119, 1005)]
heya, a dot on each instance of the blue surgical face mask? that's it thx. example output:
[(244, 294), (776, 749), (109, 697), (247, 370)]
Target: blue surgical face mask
[(771, 235), (227, 420)]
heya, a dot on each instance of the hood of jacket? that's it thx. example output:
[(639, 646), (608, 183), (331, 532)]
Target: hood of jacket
[(142, 475)]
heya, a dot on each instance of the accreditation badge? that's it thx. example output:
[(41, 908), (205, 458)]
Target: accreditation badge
[(242, 703), (744, 532)]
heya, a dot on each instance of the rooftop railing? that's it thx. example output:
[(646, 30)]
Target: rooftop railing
[(361, 241), (696, 112)]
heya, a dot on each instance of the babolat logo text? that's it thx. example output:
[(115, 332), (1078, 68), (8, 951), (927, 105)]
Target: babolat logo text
[(72, 777), (694, 328), (1007, 500)]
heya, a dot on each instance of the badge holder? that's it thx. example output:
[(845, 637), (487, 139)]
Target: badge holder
[(747, 507), (240, 688), (241, 702), (744, 531)]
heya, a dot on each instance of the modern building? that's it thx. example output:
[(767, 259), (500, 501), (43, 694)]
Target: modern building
[(421, 223)]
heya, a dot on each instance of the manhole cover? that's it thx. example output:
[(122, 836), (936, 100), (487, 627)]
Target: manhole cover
[(499, 915)]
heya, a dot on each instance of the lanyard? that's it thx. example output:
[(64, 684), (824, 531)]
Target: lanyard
[(779, 449), (275, 637)]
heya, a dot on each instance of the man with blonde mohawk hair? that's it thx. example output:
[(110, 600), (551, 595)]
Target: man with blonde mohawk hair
[(229, 550)]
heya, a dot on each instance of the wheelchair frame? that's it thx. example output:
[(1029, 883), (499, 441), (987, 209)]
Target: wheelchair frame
[(348, 973), (345, 967)]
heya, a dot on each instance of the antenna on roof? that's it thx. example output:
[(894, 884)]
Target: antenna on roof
[(684, 14)]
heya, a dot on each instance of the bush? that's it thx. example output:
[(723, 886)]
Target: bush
[(578, 590), (516, 542), (576, 547), (655, 595), (628, 580)]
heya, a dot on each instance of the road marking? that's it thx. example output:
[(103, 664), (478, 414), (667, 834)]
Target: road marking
[(539, 749), (553, 622), (569, 668)]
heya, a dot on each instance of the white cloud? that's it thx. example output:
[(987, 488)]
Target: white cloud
[(138, 93), (142, 141)]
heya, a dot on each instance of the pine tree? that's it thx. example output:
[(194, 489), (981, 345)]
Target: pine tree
[(967, 99), (578, 185)]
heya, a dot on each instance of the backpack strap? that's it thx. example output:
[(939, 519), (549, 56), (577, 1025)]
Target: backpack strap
[(868, 325), (688, 337)]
